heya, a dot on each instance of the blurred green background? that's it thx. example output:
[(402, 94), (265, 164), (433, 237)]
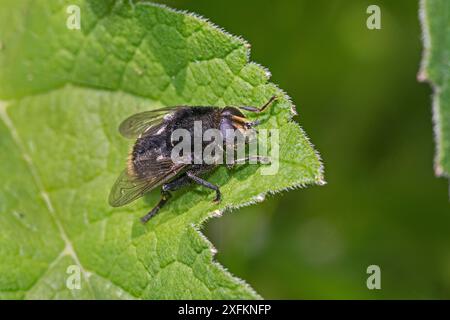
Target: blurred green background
[(360, 103)]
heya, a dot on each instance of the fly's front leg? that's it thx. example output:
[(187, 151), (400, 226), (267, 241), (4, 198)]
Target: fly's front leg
[(260, 109), (205, 184)]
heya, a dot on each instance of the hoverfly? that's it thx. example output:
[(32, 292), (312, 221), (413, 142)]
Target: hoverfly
[(150, 164)]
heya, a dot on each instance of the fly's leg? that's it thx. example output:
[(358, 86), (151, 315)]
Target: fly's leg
[(164, 197), (205, 184), (261, 159), (181, 181), (176, 184), (262, 108)]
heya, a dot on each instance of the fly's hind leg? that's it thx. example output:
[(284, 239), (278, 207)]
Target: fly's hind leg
[(176, 184), (181, 181), (205, 184), (165, 196)]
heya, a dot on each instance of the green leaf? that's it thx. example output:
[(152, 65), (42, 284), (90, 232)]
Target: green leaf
[(435, 17), (63, 93)]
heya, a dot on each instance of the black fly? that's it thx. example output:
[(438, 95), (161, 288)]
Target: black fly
[(150, 163)]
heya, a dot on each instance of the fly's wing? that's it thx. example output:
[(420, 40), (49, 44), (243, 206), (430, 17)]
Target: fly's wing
[(147, 122), (128, 188)]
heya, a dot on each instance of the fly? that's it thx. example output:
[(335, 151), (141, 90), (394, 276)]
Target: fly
[(150, 163)]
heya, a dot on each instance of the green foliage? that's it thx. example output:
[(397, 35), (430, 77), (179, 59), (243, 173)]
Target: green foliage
[(62, 95), (436, 69)]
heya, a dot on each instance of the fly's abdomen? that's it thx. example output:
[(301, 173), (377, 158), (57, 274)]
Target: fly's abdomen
[(145, 156)]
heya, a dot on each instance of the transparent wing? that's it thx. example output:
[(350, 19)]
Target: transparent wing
[(147, 121), (128, 188)]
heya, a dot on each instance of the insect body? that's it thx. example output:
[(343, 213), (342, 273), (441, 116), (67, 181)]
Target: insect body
[(150, 163)]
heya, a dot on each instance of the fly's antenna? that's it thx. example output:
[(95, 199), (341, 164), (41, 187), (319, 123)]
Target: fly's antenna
[(261, 109)]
